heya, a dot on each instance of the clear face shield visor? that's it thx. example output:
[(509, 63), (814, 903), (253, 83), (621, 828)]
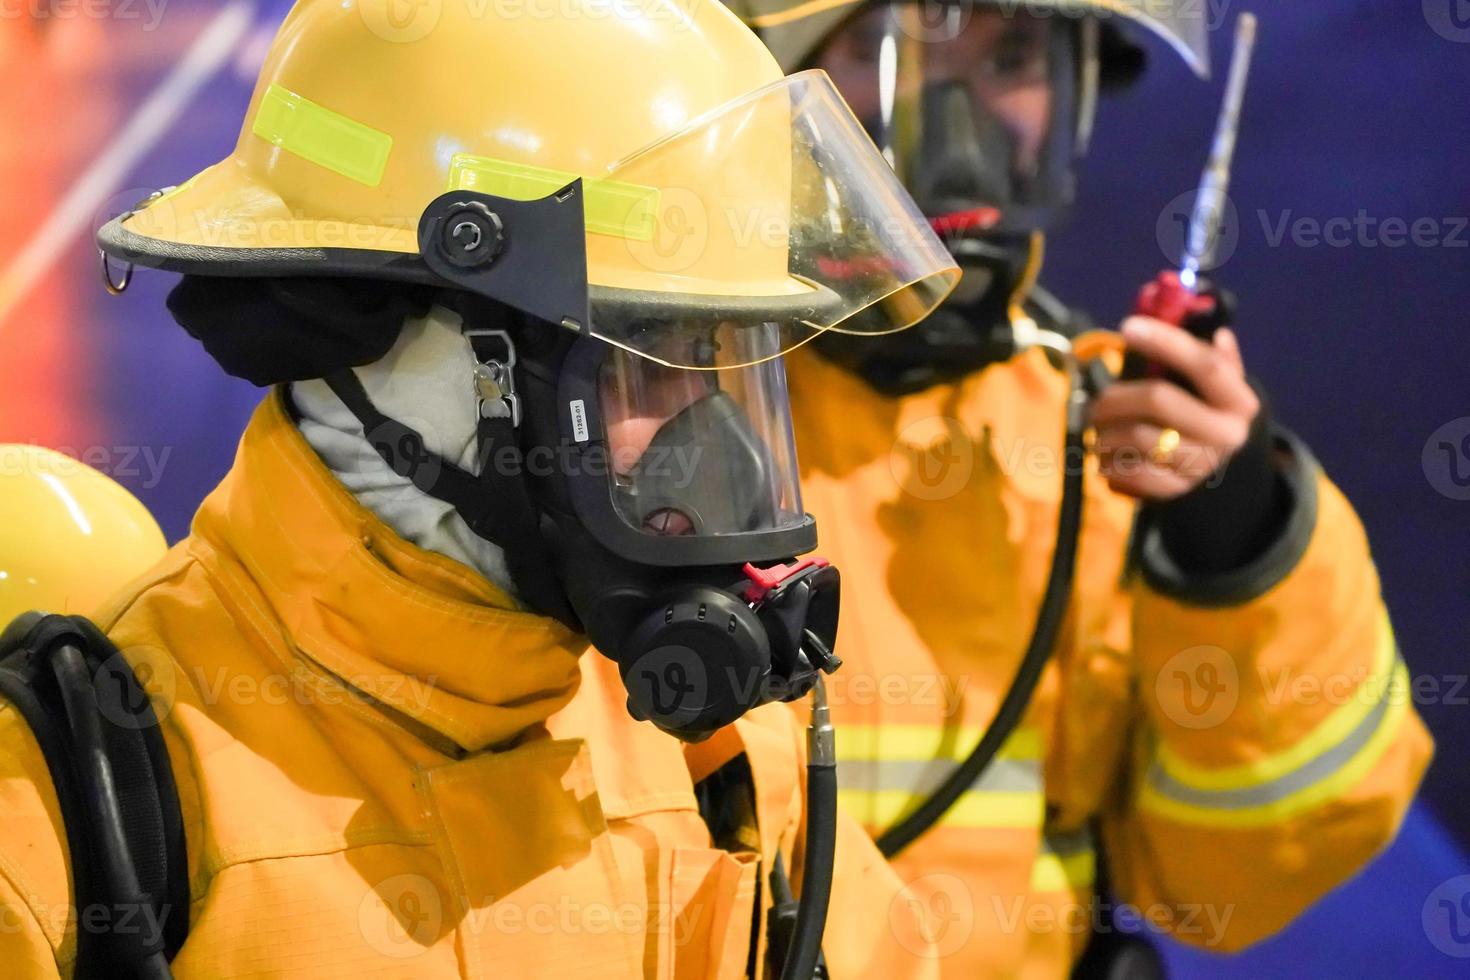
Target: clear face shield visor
[(976, 107), (771, 214), (702, 452)]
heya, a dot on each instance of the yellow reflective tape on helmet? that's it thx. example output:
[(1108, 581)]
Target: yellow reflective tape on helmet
[(610, 207), (329, 139)]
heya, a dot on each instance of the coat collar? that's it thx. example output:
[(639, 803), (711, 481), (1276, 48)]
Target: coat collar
[(423, 634)]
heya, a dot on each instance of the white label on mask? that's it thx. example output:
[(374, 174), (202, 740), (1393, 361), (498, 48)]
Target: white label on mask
[(579, 419)]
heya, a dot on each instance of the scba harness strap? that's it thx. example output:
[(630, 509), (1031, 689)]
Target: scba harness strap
[(103, 746)]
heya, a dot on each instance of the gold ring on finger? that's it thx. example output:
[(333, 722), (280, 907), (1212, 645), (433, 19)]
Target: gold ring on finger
[(1162, 454)]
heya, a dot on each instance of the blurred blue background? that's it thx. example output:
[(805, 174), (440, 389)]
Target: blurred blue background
[(1355, 107)]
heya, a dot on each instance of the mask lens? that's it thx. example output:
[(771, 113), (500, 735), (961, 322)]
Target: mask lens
[(701, 452), (973, 106)]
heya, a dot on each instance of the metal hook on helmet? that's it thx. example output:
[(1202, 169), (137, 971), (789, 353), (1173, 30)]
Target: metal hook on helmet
[(114, 288)]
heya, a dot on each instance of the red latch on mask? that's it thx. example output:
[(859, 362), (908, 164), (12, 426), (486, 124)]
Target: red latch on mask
[(763, 580)]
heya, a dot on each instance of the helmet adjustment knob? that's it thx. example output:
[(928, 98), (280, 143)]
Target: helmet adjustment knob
[(471, 235)]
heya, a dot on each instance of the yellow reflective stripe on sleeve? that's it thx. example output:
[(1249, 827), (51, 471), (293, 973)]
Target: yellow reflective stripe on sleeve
[(1330, 733), (925, 742), (1066, 863), (329, 139), (923, 778), (1322, 779), (883, 808), (610, 207), (1074, 873), (885, 771)]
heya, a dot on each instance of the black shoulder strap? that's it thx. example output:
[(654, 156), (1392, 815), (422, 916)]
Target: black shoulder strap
[(108, 762)]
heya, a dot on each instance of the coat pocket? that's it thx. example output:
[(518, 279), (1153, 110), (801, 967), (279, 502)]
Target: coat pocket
[(712, 908), (532, 864)]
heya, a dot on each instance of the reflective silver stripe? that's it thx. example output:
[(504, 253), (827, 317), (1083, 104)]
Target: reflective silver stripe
[(1315, 770), (922, 778)]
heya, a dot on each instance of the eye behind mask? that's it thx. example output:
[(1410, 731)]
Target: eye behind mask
[(706, 471)]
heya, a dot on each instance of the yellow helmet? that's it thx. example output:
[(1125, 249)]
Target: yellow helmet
[(384, 145), (71, 536)]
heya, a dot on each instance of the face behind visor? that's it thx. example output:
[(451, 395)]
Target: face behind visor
[(949, 89), (982, 107), (705, 471), (976, 109)]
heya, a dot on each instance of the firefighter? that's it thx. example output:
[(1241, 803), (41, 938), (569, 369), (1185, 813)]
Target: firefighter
[(1180, 738), (528, 393)]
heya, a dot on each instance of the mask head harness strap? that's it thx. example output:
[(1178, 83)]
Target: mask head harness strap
[(496, 503)]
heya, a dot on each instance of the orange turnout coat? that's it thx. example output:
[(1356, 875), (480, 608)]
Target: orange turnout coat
[(1238, 746), (385, 770)]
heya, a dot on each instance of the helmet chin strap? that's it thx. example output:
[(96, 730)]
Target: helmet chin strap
[(424, 382)]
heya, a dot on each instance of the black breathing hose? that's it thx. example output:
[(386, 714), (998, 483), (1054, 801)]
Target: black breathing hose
[(1038, 651), (75, 682), (805, 951)]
